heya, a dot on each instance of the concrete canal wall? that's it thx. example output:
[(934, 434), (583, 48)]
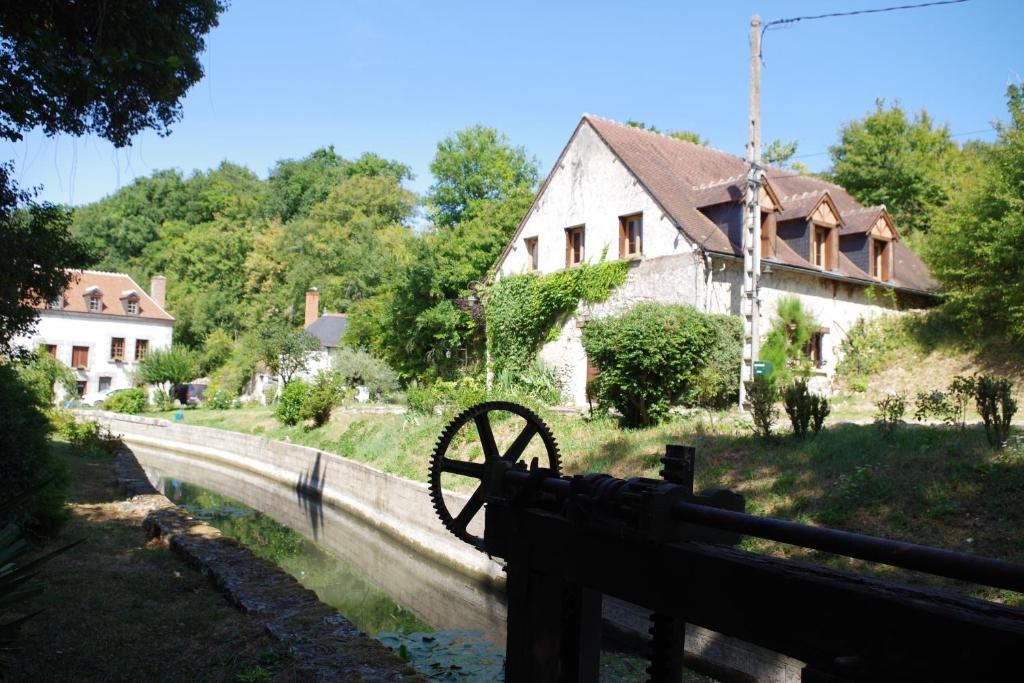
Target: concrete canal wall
[(384, 524)]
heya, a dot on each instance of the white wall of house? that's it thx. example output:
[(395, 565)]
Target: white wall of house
[(590, 187), (95, 331)]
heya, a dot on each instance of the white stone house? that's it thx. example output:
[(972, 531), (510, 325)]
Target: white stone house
[(102, 327), (326, 328), (674, 210)]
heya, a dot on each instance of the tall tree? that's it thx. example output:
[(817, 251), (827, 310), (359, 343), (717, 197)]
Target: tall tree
[(476, 164), (976, 249), (886, 158)]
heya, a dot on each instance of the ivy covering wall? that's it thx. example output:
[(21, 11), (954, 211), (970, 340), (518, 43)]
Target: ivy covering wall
[(522, 310)]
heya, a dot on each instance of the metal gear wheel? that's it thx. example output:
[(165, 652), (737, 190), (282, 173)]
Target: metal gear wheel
[(440, 463)]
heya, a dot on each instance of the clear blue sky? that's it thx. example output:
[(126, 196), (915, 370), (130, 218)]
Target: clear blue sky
[(395, 77)]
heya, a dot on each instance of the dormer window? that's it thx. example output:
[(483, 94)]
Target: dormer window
[(881, 259), (56, 304), (130, 301), (823, 246), (94, 304)]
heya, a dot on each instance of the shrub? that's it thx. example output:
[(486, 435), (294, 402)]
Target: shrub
[(537, 382), (889, 411), (131, 401), (357, 367), (321, 397), (648, 358), (797, 400), (931, 404), (41, 371), (785, 342), (25, 459), (996, 406), (162, 402), (950, 406), (176, 365), (90, 439), (289, 407), (820, 409), (217, 398), (717, 384), (421, 399), (762, 394)]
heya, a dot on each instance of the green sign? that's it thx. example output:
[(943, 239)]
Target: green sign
[(762, 368)]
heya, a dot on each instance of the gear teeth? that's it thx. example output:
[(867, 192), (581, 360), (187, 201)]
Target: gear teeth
[(444, 441)]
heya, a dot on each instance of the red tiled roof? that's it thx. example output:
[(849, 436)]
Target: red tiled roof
[(113, 288), (683, 177)]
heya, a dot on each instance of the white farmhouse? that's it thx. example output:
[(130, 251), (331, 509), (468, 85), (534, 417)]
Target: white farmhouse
[(675, 210), (102, 326)]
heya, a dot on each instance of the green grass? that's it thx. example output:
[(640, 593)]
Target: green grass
[(119, 608), (926, 484)]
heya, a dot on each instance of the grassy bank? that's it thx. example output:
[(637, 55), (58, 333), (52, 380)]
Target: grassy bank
[(119, 608), (926, 484)]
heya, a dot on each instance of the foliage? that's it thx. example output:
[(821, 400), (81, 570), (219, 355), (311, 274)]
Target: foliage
[(217, 398), (132, 401), (289, 407), (790, 333), (805, 410), (977, 252), (889, 412), (538, 382), (421, 399), (86, 67), (521, 309), (41, 372), (217, 350), (716, 385), (477, 163), (684, 135), (25, 459), (950, 405), (38, 250), (886, 158), (869, 346), (996, 405), (174, 366), (356, 367), (648, 358), (286, 352), (90, 438), (762, 395), (777, 152), (321, 397)]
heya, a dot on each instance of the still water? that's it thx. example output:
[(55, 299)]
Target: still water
[(440, 654)]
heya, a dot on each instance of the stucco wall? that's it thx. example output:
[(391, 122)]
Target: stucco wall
[(590, 187), (67, 329)]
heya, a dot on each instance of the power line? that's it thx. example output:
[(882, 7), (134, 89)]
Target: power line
[(793, 20)]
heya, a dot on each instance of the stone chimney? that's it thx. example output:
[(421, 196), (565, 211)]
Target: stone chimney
[(312, 306), (158, 290)]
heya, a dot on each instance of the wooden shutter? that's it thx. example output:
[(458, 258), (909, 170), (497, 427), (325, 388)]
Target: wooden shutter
[(80, 357)]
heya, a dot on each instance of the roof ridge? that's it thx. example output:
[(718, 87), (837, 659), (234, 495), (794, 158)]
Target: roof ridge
[(718, 183), (102, 272), (664, 136)]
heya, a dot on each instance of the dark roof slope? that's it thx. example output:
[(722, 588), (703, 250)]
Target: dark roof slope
[(684, 177), (329, 329)]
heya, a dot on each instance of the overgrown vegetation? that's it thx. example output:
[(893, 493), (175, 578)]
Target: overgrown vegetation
[(132, 401), (762, 394), (168, 368), (356, 367), (784, 345), (523, 309), (321, 397), (650, 356), (805, 410), (890, 411), (289, 405), (996, 406)]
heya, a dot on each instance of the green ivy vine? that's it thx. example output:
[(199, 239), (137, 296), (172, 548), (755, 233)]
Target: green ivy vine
[(522, 310)]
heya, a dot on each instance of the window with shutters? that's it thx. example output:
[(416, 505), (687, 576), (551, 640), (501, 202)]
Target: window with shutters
[(80, 357), (631, 236), (117, 348), (880, 259), (823, 247), (141, 348), (574, 246), (52, 350)]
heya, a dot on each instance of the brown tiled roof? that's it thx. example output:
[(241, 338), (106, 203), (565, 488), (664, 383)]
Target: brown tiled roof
[(112, 287), (683, 177), (861, 220)]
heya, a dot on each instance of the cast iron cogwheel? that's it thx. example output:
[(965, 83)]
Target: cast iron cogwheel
[(440, 464)]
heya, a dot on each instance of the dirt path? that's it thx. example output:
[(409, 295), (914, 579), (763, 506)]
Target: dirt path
[(121, 609)]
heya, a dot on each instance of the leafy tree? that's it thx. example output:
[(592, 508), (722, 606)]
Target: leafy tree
[(778, 152), (40, 372), (682, 134), (38, 251), (168, 367), (289, 408), (356, 367), (886, 158), (321, 398), (784, 344), (477, 163), (286, 352), (977, 248), (86, 66)]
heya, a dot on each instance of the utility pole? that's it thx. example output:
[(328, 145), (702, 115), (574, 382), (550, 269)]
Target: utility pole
[(750, 304)]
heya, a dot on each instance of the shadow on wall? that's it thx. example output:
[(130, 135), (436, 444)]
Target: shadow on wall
[(309, 490)]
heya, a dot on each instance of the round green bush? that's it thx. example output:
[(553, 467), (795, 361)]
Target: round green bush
[(289, 408), (131, 401)]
